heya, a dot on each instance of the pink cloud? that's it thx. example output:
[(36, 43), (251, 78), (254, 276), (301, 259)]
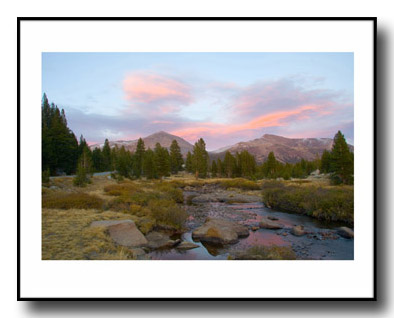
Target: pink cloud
[(148, 88), (264, 97), (162, 122), (275, 119)]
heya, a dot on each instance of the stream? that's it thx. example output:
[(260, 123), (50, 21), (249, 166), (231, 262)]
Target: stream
[(321, 243)]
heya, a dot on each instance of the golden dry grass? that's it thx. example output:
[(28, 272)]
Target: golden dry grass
[(67, 235)]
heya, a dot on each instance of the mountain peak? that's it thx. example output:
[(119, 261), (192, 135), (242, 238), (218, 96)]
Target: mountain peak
[(285, 149), (164, 138)]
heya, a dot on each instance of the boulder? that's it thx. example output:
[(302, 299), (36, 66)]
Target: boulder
[(106, 224), (298, 230), (123, 232), (272, 218), (345, 232), (220, 232), (158, 240), (265, 223), (127, 234), (186, 246)]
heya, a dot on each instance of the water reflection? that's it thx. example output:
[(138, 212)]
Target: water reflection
[(314, 246)]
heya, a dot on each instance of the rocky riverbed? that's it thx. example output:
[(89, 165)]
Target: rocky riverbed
[(225, 223)]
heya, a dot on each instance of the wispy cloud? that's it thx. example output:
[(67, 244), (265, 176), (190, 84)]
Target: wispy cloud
[(156, 102), (149, 93)]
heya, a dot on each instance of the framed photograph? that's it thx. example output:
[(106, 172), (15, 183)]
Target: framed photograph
[(196, 158)]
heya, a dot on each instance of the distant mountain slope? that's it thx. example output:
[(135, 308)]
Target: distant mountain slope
[(165, 140), (285, 149)]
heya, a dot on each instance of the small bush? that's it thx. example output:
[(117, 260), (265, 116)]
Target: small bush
[(142, 198), (71, 201), (125, 189), (117, 177), (167, 212), (270, 253), (178, 183), (240, 183), (170, 191), (82, 177), (145, 225)]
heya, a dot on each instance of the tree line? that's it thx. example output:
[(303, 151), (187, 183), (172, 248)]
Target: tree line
[(62, 153), (59, 146)]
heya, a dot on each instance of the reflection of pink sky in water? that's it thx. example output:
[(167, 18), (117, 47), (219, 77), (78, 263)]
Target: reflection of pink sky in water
[(262, 237), (250, 214)]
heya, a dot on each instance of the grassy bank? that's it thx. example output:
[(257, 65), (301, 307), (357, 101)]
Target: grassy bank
[(329, 203), (68, 212)]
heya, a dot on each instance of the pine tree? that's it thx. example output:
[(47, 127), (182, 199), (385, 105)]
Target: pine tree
[(220, 168), (106, 156), (114, 157), (341, 160), (149, 165), (162, 161), (247, 164), (84, 169), (97, 160), (189, 162), (229, 164), (81, 146), (325, 165), (176, 159), (59, 146), (214, 169), (200, 159), (123, 163), (270, 166), (139, 157)]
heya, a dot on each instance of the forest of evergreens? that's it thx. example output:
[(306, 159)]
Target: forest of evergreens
[(63, 154)]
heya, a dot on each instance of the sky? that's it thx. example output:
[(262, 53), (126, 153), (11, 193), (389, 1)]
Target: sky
[(224, 98)]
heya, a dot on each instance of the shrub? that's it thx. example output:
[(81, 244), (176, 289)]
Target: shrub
[(71, 201), (269, 253), (240, 183), (145, 225), (170, 191), (119, 189), (142, 198), (167, 212), (82, 177), (328, 204), (116, 176), (178, 183)]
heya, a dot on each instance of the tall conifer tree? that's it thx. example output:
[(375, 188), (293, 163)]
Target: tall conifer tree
[(200, 159), (341, 160), (139, 157), (176, 159)]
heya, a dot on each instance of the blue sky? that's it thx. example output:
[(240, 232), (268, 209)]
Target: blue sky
[(222, 97)]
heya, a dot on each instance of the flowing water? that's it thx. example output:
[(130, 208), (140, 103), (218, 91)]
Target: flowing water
[(322, 242)]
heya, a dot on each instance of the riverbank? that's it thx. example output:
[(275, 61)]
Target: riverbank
[(156, 220)]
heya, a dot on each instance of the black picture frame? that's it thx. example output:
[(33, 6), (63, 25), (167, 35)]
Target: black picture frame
[(19, 198)]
